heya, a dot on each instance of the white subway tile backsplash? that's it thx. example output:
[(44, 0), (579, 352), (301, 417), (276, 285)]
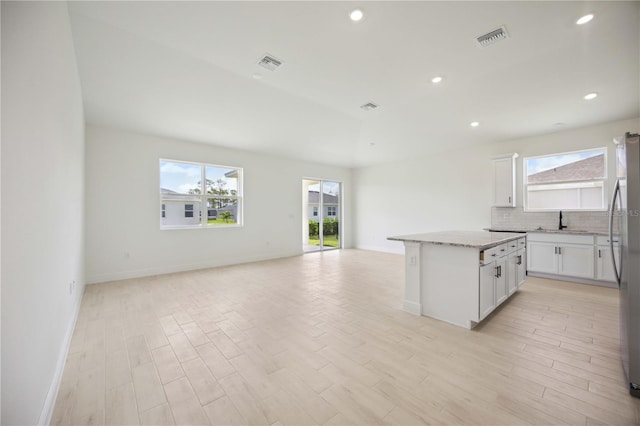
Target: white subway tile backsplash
[(518, 219)]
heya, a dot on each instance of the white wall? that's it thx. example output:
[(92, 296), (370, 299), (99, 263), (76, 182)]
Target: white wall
[(122, 170), (452, 190), (43, 203)]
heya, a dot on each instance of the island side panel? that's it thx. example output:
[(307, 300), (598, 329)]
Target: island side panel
[(450, 283), (412, 302)]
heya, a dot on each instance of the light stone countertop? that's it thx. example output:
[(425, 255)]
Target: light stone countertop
[(548, 231), (472, 239)]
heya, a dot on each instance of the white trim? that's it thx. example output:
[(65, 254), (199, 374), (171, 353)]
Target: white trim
[(54, 388), (412, 307), (160, 270), (579, 184), (399, 250), (573, 279)]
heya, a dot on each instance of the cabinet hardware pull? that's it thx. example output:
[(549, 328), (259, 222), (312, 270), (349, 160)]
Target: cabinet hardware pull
[(599, 253), (519, 260), (555, 250), (509, 199), (559, 250)]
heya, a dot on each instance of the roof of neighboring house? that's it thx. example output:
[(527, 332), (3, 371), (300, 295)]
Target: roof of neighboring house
[(167, 191), (314, 198), (579, 170)]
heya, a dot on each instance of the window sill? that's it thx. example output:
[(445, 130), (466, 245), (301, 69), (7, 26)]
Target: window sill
[(174, 228)]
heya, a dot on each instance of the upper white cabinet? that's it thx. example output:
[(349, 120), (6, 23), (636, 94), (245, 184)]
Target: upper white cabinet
[(504, 180)]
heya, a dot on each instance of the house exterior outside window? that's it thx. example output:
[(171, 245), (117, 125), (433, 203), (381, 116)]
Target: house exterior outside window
[(198, 195)]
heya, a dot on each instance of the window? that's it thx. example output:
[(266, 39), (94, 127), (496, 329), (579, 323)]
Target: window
[(315, 211), (200, 195), (566, 181), (331, 210)]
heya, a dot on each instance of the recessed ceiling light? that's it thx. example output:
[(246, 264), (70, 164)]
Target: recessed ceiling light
[(474, 124), (356, 15), (257, 76), (372, 144), (585, 19), (436, 80), (590, 96)]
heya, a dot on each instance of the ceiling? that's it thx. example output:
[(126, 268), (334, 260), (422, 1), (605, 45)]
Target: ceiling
[(186, 70)]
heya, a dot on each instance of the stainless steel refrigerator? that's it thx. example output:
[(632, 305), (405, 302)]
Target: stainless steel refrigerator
[(624, 212)]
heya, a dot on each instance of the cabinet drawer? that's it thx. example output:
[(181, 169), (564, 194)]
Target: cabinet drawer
[(553, 237), (489, 255), (512, 246), (502, 249), (603, 240)]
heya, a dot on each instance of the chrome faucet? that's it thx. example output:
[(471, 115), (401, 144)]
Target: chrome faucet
[(560, 225)]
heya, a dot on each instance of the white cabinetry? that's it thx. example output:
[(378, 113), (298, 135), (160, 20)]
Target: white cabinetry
[(516, 270), (488, 274), (501, 273), (561, 254), (604, 267), (575, 260), (504, 181), (542, 256)]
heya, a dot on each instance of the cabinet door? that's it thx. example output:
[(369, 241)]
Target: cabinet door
[(542, 257), (576, 260), (512, 272), (521, 267), (504, 182), (604, 268), (501, 280), (487, 290)]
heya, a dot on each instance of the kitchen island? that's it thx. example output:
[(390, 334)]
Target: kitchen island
[(461, 276)]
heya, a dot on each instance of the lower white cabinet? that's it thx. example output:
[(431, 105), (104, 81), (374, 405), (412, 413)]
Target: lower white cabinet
[(501, 277), (575, 260), (487, 289), (516, 270), (569, 255), (542, 257), (604, 267)]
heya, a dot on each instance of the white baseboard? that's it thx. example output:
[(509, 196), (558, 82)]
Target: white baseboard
[(412, 307), (169, 269), (573, 279), (398, 250), (52, 395)]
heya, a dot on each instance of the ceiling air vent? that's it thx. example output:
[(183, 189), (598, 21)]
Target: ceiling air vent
[(270, 63), (493, 37), (369, 106)]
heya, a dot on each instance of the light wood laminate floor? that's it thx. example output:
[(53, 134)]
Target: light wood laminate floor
[(322, 339)]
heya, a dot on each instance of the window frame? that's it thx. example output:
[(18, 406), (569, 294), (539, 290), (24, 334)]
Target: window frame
[(566, 184), (203, 197)]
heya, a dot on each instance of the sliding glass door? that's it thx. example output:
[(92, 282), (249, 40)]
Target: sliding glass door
[(321, 213)]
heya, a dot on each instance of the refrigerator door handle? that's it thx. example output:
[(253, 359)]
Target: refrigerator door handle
[(616, 194)]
